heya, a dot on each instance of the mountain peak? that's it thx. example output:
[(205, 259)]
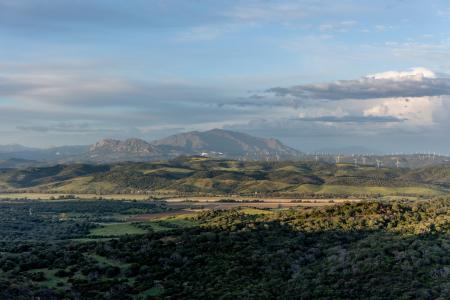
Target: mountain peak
[(213, 143), (132, 145), (228, 143)]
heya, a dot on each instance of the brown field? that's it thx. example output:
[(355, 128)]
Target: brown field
[(269, 200), (189, 206), (162, 215), (46, 196)]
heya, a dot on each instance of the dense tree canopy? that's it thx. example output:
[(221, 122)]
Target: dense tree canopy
[(373, 250)]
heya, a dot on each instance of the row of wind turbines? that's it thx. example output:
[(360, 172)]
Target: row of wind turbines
[(399, 159)]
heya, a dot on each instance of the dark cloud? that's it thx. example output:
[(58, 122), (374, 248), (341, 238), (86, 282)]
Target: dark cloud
[(352, 119), (10, 86), (67, 128), (367, 88)]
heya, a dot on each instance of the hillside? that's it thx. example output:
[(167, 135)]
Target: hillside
[(206, 176)]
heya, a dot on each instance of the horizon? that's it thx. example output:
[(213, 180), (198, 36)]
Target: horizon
[(313, 74), (345, 150)]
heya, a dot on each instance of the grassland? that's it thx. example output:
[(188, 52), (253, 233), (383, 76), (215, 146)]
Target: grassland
[(116, 230)]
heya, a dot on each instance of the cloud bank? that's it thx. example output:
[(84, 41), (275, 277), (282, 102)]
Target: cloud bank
[(418, 82)]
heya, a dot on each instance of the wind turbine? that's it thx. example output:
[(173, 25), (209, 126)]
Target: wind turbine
[(338, 158), (379, 163)]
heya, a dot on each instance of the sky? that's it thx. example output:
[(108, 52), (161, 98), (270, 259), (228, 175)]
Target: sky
[(312, 73)]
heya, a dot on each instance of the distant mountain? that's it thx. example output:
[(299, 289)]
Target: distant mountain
[(18, 163), (132, 146), (50, 154), (14, 148), (225, 143), (212, 143), (110, 150)]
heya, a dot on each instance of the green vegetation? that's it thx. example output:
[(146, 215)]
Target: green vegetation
[(169, 223), (201, 176), (116, 230), (368, 250)]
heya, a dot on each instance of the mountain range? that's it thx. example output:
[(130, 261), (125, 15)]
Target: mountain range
[(212, 143), (215, 143)]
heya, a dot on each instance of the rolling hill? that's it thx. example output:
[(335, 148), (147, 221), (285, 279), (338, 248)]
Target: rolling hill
[(206, 176)]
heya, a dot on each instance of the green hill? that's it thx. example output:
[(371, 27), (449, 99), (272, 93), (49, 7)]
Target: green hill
[(199, 175)]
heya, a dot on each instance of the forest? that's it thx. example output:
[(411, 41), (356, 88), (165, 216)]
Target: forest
[(367, 250)]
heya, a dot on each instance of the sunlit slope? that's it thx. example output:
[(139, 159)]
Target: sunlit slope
[(197, 175)]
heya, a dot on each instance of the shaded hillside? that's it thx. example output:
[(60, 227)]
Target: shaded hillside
[(434, 175), (42, 176)]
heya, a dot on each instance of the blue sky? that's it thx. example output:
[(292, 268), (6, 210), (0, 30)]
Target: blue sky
[(73, 72)]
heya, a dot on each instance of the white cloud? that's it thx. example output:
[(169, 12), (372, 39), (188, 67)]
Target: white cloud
[(203, 33), (419, 111), (257, 11), (417, 82), (343, 26), (412, 74)]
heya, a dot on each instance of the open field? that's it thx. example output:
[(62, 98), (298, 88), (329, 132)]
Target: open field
[(181, 199), (163, 215), (47, 196), (118, 229)]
